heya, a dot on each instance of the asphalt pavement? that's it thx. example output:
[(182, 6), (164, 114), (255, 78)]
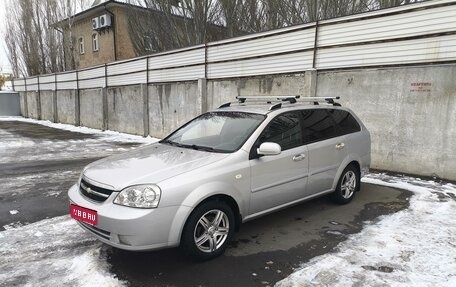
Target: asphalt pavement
[(38, 164)]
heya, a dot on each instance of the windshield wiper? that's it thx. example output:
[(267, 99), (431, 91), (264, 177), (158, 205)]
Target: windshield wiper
[(208, 148), (199, 147), (173, 143), (192, 146)]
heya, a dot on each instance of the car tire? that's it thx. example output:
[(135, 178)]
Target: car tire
[(208, 230), (347, 185)]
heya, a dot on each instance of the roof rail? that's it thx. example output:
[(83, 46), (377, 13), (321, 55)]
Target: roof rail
[(317, 100), (285, 98)]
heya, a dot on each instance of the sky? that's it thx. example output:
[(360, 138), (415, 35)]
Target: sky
[(4, 64)]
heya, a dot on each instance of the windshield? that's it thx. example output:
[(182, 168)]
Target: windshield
[(216, 131)]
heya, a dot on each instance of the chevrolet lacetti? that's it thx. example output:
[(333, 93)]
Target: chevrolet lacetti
[(243, 160)]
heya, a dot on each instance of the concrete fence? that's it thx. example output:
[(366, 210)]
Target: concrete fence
[(410, 111)]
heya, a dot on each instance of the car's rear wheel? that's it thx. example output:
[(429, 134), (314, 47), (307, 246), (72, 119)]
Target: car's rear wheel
[(347, 185), (208, 230)]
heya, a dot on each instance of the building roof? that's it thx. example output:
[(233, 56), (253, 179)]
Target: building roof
[(96, 9)]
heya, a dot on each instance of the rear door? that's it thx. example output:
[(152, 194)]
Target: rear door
[(282, 178), (326, 149)]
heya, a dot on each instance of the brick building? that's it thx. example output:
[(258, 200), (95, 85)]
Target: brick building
[(101, 33)]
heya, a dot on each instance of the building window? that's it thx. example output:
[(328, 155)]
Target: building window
[(150, 43), (95, 46), (81, 45)]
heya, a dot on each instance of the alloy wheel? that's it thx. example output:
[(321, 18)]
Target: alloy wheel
[(211, 231), (348, 184)]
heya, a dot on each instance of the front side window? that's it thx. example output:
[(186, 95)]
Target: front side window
[(216, 131), (318, 125), (95, 46), (285, 130), (81, 45)]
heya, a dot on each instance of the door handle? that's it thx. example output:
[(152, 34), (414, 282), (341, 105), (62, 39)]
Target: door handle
[(340, 146), (299, 157)]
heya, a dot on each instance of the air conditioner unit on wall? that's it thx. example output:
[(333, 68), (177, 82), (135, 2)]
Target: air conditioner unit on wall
[(95, 23), (105, 21)]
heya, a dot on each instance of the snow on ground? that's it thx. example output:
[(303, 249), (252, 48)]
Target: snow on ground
[(97, 143), (114, 136), (413, 247), (53, 252)]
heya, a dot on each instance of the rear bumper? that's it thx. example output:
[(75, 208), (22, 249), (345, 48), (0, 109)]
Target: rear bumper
[(130, 228)]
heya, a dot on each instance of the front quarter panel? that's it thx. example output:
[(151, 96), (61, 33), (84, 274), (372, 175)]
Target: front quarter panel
[(194, 199), (230, 176)]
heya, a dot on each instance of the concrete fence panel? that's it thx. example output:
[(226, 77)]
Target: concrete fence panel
[(91, 108), (223, 91), (33, 107), (66, 106), (125, 109), (410, 113), (171, 105), (47, 105)]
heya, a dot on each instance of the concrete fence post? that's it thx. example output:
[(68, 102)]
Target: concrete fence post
[(54, 101), (202, 93), (310, 78), (105, 108), (77, 103), (25, 104), (38, 99), (38, 104), (77, 108), (145, 94)]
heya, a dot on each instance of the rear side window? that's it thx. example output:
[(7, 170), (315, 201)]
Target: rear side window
[(317, 125), (285, 130), (345, 121)]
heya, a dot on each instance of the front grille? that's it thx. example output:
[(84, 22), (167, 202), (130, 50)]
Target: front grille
[(100, 232), (93, 192)]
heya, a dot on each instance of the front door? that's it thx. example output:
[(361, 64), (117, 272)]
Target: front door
[(279, 179)]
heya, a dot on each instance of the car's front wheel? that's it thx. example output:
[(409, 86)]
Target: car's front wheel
[(347, 185), (208, 230)]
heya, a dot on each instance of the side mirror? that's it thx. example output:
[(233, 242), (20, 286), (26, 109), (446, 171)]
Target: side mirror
[(269, 148)]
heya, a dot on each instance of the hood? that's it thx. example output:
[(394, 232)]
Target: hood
[(150, 164)]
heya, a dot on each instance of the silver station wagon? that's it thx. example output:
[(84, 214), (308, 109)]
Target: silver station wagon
[(243, 160)]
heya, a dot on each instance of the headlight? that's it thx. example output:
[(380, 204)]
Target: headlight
[(142, 196)]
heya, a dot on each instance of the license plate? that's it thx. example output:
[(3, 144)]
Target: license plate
[(83, 214)]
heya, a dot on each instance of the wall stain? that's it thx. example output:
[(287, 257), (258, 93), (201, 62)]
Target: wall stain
[(265, 85)]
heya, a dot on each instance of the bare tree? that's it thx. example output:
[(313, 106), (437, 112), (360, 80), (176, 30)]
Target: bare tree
[(34, 46), (166, 24)]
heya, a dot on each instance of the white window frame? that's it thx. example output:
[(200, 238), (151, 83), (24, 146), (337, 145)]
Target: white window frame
[(147, 43), (95, 42), (81, 45)]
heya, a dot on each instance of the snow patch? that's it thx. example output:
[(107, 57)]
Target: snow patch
[(413, 247), (13, 225), (13, 212), (53, 252), (116, 136)]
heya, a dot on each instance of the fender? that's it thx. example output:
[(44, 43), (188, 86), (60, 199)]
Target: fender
[(197, 196), (347, 160)]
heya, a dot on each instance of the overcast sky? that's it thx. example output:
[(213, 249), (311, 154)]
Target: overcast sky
[(4, 64)]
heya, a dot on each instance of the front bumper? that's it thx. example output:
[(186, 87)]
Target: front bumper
[(131, 228)]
